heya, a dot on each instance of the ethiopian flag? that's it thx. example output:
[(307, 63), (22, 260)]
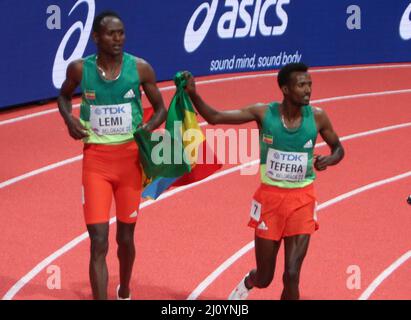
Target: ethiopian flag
[(171, 158)]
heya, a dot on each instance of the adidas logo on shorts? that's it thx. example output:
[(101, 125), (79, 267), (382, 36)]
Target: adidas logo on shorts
[(262, 226)]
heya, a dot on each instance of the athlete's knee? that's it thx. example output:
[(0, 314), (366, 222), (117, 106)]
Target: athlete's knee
[(99, 246), (125, 239)]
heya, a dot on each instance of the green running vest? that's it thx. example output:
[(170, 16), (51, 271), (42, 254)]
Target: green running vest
[(286, 155), (110, 109)]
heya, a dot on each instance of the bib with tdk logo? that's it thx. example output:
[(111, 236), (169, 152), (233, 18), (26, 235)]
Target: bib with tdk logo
[(111, 119)]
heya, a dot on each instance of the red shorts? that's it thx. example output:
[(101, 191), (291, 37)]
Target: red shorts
[(278, 212), (111, 170)]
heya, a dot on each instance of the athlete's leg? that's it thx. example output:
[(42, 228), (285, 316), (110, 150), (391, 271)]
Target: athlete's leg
[(295, 252), (266, 255), (126, 253), (98, 266), (127, 193), (97, 203)]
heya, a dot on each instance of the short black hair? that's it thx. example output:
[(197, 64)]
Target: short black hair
[(101, 16), (285, 72)]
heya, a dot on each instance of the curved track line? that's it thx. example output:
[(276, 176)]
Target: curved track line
[(39, 171), (362, 95), (384, 275), (42, 265), (77, 158), (230, 261), (235, 78)]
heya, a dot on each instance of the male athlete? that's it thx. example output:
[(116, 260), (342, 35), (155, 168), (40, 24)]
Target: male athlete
[(283, 207), (109, 114)]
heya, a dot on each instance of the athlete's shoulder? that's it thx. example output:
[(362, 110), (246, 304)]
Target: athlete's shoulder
[(76, 64), (142, 63), (259, 107), (316, 110), (75, 69), (320, 117), (258, 110), (273, 104), (145, 70), (263, 107)]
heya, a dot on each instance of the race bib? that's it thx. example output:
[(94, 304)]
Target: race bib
[(111, 119), (255, 212), (289, 166)]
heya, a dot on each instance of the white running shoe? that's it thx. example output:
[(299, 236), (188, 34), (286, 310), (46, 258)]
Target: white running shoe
[(240, 292), (120, 298)]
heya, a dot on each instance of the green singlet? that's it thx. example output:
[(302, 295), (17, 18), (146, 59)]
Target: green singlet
[(110, 109), (286, 155)]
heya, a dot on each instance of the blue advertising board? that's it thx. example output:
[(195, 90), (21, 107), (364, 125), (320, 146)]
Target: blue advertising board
[(40, 38)]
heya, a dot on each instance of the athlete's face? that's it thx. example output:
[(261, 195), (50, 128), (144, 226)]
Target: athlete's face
[(111, 36), (298, 91)]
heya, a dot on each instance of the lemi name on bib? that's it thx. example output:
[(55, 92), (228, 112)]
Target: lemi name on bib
[(111, 119)]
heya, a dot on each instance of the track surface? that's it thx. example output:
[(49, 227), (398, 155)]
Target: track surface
[(185, 238)]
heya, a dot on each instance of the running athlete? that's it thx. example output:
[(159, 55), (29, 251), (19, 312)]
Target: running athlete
[(283, 207), (110, 112)]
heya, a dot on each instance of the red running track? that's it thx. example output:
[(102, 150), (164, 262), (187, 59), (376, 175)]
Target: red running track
[(183, 239)]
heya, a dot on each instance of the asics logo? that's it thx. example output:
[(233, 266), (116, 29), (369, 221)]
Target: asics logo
[(405, 24), (61, 64), (241, 19), (194, 38)]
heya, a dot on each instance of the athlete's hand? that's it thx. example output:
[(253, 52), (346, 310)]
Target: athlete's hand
[(191, 85), (321, 162), (76, 129)]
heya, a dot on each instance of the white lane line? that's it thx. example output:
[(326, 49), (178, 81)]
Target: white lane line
[(384, 275), (50, 167), (78, 158), (318, 101), (29, 116), (374, 131), (363, 95), (36, 270), (43, 264), (217, 272), (235, 78), (62, 163), (39, 171), (236, 256), (325, 70)]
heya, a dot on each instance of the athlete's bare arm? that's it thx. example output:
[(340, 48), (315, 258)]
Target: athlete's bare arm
[(331, 138), (149, 84), (73, 78), (250, 113)]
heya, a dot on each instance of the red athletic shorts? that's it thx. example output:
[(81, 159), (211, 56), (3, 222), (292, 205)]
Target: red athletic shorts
[(278, 212), (111, 170)]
